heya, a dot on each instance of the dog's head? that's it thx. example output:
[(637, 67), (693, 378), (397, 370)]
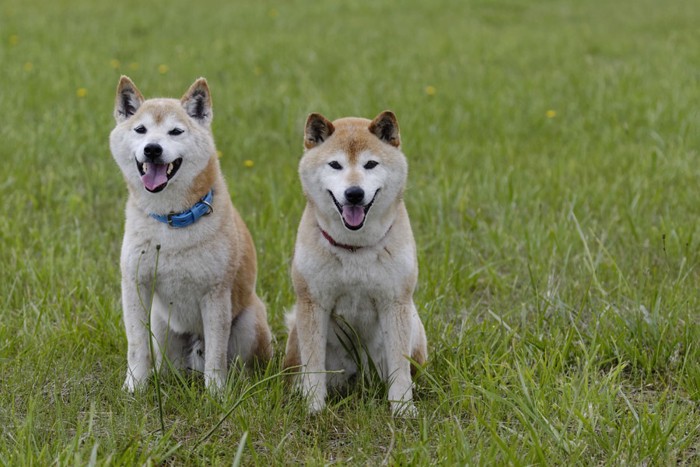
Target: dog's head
[(353, 171), (164, 146)]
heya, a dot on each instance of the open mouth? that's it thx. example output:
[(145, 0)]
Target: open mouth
[(353, 215), (155, 177)]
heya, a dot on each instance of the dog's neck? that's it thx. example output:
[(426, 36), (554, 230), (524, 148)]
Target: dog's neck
[(350, 248), (179, 220), (332, 241)]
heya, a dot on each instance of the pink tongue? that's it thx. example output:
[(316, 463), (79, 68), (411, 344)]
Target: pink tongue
[(353, 215), (156, 175)]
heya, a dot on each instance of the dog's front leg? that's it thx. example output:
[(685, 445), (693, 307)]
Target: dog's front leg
[(312, 332), (136, 324), (395, 322), (216, 320)]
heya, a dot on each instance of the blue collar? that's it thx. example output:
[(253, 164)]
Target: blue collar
[(189, 217)]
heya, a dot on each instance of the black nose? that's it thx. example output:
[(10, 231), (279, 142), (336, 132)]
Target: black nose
[(354, 195), (152, 151)]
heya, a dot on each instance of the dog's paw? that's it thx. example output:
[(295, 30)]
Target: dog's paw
[(404, 409), (215, 382), (196, 357), (132, 384), (129, 386), (313, 388), (316, 405)]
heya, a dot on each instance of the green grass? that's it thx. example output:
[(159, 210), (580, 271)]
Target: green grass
[(559, 253)]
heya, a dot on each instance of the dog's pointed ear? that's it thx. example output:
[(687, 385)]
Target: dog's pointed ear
[(386, 127), (197, 102), (317, 130), (128, 99)]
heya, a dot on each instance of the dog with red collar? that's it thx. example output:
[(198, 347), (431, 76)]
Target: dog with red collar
[(355, 267)]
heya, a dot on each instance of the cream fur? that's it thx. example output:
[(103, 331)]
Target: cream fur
[(204, 289), (370, 288)]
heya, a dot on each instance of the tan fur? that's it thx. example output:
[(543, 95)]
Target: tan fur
[(367, 274), (203, 182), (292, 359), (204, 290), (419, 356)]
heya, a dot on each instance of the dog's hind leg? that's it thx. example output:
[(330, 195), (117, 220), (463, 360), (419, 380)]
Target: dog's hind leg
[(174, 346), (419, 345), (241, 342), (250, 336), (166, 342), (262, 350), (195, 354)]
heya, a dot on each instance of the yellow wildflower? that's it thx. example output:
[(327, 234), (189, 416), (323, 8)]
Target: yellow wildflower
[(551, 113), (430, 90), (81, 92), (248, 163), (163, 69)]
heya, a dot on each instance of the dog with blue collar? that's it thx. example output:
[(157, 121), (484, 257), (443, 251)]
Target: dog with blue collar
[(188, 260)]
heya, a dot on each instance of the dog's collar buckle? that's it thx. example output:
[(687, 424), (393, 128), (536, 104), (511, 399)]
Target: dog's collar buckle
[(179, 220), (207, 204)]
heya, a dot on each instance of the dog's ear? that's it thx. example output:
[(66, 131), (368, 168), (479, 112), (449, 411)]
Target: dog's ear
[(197, 102), (317, 130), (386, 127), (128, 99)]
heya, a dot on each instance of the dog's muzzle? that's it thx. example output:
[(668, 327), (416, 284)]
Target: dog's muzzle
[(353, 212)]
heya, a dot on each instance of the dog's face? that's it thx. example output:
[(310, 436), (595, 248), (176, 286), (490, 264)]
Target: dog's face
[(162, 145), (353, 170)]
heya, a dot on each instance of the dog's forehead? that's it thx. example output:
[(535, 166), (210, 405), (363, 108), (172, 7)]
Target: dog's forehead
[(353, 138), (162, 110)]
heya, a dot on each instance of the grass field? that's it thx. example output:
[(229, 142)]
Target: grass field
[(553, 190)]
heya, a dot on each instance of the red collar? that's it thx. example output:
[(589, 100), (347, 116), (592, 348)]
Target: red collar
[(350, 248), (332, 241)]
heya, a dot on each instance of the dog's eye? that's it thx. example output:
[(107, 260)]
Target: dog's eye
[(175, 132), (370, 165), (140, 129), (335, 165)]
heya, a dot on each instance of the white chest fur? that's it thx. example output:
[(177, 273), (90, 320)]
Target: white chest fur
[(356, 286), (177, 264)]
